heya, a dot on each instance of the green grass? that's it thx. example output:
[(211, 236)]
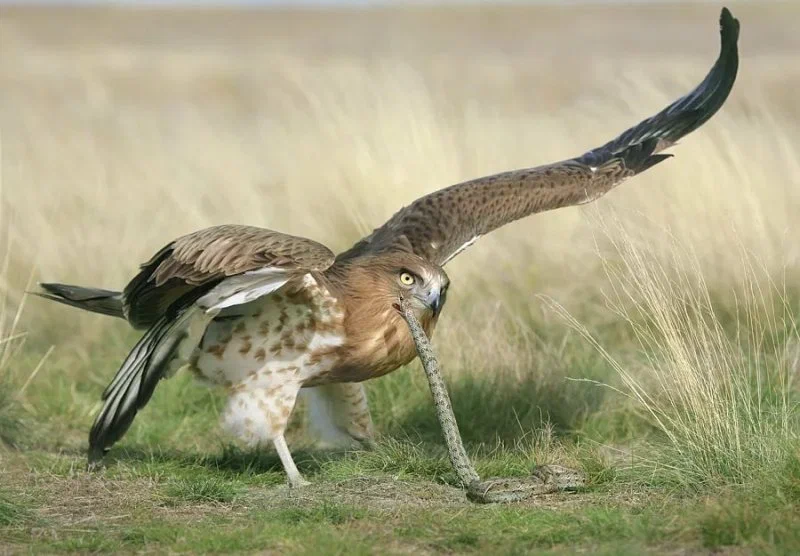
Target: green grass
[(198, 490), (175, 483), (11, 427), (11, 415), (378, 511), (12, 513)]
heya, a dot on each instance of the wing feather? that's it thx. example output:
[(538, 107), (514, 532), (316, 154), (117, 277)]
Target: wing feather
[(136, 380), (243, 288), (442, 224), (207, 258)]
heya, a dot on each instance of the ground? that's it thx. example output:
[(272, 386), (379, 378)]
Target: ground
[(176, 484), (649, 339)]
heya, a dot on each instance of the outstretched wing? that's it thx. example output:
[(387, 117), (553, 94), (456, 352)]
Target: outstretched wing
[(232, 258), (442, 224)]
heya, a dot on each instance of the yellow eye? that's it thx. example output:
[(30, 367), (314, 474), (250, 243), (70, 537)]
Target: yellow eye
[(406, 279)]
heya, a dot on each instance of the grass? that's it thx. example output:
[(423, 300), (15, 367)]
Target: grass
[(11, 513), (211, 490), (722, 399), (11, 342), (383, 511), (649, 339)]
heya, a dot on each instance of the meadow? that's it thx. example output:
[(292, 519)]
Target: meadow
[(649, 339)]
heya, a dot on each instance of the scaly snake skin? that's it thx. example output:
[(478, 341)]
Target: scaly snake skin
[(544, 480)]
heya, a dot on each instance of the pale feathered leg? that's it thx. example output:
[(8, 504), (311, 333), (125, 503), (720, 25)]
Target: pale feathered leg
[(296, 480), (338, 415), (260, 415)]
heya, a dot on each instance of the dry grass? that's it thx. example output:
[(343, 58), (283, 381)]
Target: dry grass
[(134, 130), (720, 387), (120, 130), (119, 137)]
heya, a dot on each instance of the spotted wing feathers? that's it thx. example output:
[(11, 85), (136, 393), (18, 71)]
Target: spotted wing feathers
[(442, 224), (205, 258), (178, 292)]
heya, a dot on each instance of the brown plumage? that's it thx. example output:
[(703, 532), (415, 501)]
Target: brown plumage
[(204, 258), (266, 314)]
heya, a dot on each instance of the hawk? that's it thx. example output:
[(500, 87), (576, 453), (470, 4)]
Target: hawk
[(266, 315)]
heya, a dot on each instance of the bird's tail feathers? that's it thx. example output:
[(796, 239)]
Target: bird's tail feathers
[(95, 300)]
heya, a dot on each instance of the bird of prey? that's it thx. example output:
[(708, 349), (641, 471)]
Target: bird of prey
[(266, 315)]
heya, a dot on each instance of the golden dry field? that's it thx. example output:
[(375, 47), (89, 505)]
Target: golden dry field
[(123, 128)]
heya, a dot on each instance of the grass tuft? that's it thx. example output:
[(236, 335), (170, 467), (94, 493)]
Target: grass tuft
[(325, 512), (11, 424), (759, 518), (11, 512), (400, 458), (720, 398), (11, 344), (202, 490)]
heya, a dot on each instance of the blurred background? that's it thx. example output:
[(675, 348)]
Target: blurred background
[(124, 125)]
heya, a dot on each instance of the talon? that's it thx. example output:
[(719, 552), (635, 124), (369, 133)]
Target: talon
[(95, 465), (368, 444)]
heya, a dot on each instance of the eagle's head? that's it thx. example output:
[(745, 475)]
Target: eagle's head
[(382, 280), (423, 284)]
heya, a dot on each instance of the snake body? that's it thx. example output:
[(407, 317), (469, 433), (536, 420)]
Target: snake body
[(441, 400), (544, 480)]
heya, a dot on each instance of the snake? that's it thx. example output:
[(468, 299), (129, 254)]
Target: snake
[(545, 479)]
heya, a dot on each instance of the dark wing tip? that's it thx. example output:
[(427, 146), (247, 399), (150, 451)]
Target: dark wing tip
[(728, 28), (48, 286), (702, 103), (682, 116), (693, 110)]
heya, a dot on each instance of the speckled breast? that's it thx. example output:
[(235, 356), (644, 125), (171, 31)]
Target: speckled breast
[(294, 334)]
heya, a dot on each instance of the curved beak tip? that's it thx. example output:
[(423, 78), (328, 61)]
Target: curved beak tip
[(434, 301)]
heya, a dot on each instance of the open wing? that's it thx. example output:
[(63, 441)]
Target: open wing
[(176, 295), (442, 224), (222, 261)]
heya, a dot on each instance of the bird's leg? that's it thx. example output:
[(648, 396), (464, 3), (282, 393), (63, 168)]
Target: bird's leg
[(338, 415), (545, 480), (260, 414), (295, 478)]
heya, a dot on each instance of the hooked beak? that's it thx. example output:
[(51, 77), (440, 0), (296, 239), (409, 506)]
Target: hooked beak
[(434, 300)]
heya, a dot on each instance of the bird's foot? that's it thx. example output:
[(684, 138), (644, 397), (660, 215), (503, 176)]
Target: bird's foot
[(96, 460), (544, 480), (298, 482), (366, 443), (96, 465)]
